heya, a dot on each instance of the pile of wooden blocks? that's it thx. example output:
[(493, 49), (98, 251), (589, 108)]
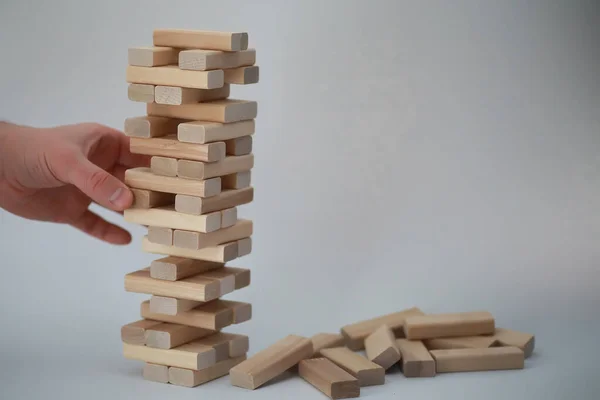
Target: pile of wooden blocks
[(420, 345), (200, 143)]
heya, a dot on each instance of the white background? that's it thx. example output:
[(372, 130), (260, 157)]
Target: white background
[(437, 154)]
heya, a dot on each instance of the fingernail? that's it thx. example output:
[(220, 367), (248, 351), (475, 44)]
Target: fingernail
[(119, 198)]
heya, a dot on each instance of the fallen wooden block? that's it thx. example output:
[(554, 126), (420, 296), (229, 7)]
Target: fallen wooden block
[(356, 333), (191, 378), (206, 132), (229, 217), (242, 75), (164, 166), (135, 332), (461, 342), (173, 268), (150, 127), (203, 60), (171, 305), (449, 325), (197, 240), (171, 75), (239, 146), (197, 39), (201, 170), (168, 336), (416, 360), (143, 178), (271, 362), (244, 247), (195, 205), (169, 146), (160, 235), (214, 315), (225, 111), (145, 199), (190, 355), (508, 337), (368, 373), (381, 347), (140, 92), (468, 360), (180, 95), (156, 373), (238, 180), (152, 56), (220, 254), (328, 378), (167, 217), (325, 341)]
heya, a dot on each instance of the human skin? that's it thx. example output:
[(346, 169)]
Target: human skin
[(54, 174)]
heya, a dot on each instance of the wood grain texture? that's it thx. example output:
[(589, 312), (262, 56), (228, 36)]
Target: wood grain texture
[(328, 378), (145, 199), (164, 166), (221, 254), (381, 348), (325, 341), (197, 240), (140, 92), (167, 217), (469, 360), (239, 146), (449, 325), (242, 75), (238, 180), (229, 217), (368, 373), (191, 288), (190, 378), (173, 76), (206, 132), (522, 340), (152, 56), (143, 178), (201, 170), (169, 146), (160, 235), (416, 360), (156, 373), (150, 127), (203, 60), (200, 39), (135, 332), (168, 336), (463, 342), (271, 362), (174, 95), (171, 305), (195, 205), (356, 333), (189, 355), (173, 268), (225, 111)]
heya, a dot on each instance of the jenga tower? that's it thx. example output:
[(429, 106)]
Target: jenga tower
[(200, 143)]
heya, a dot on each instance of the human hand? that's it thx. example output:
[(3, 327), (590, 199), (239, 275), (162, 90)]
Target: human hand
[(54, 174)]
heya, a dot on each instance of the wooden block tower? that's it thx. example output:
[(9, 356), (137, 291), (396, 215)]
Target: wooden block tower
[(200, 143)]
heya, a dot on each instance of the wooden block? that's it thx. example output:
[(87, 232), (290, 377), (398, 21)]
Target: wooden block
[(244, 247), (169, 146), (214, 315), (239, 146), (168, 336), (171, 305), (416, 360), (160, 235), (239, 180), (242, 75), (150, 127), (326, 341), (195, 205), (164, 166), (204, 60), (140, 92), (508, 337), (381, 347), (226, 110), (206, 132), (197, 240), (191, 378), (449, 325), (167, 217), (229, 217), (356, 333), (220, 254), (271, 362), (177, 95), (468, 360), (368, 373), (227, 345), (190, 355), (135, 332), (242, 276), (171, 75), (143, 178), (156, 373), (201, 170), (191, 288), (174, 268), (152, 56), (330, 379), (145, 199), (197, 39), (463, 342), (242, 312)]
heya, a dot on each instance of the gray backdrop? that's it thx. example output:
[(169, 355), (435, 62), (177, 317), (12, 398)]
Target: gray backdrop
[(438, 154)]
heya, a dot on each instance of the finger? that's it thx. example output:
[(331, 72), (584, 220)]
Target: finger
[(96, 226)]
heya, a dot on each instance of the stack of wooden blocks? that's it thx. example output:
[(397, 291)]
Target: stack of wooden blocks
[(200, 143)]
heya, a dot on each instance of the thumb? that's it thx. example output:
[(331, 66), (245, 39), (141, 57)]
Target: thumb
[(102, 187)]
